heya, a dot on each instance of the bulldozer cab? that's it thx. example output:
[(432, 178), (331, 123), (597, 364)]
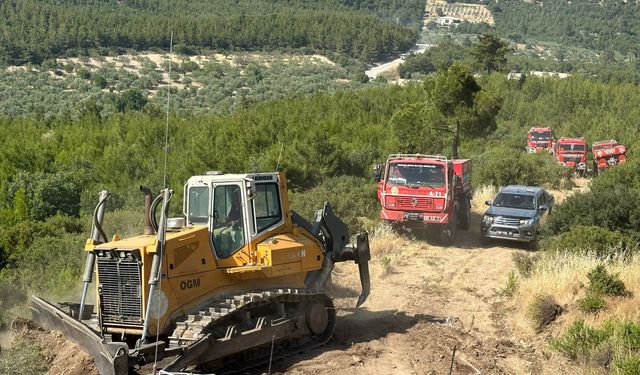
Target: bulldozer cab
[(238, 211)]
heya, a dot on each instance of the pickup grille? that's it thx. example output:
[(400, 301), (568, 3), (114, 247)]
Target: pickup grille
[(501, 220), (414, 203), (120, 287)]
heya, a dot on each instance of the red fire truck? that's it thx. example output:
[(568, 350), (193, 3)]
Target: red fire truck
[(572, 152), (607, 154), (425, 192), (539, 139)]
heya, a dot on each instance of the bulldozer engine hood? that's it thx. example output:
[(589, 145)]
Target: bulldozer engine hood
[(147, 243)]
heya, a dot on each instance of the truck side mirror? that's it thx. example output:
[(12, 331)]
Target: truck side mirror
[(377, 172), (543, 207), (488, 203)]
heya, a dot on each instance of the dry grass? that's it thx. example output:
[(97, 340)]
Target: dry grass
[(388, 248), (383, 241), (480, 195), (564, 277)]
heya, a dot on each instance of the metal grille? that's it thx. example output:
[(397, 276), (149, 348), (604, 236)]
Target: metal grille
[(120, 286), (415, 203), (574, 158), (501, 220)]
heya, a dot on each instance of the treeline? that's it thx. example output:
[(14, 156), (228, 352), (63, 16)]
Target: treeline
[(35, 30), (52, 171), (70, 90), (404, 12), (604, 25), (311, 138), (448, 50)]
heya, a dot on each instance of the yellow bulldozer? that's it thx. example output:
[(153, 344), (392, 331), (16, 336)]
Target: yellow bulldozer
[(236, 282)]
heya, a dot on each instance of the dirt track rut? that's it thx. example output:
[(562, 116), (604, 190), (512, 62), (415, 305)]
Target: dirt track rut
[(426, 301)]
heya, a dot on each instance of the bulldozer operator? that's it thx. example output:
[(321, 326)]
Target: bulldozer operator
[(228, 236)]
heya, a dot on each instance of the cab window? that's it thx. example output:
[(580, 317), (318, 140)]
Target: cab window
[(267, 206), (542, 199), (198, 205), (228, 220)]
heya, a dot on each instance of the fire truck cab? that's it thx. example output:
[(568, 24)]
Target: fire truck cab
[(539, 139), (425, 192), (572, 152), (607, 154)]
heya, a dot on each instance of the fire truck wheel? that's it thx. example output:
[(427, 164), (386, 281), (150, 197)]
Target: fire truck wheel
[(448, 234), (465, 214)]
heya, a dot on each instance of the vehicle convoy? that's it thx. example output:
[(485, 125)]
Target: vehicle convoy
[(425, 192), (239, 278), (607, 154), (516, 213), (572, 152), (539, 139)]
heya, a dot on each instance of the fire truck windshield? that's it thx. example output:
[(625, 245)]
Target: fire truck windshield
[(540, 136), (406, 174), (572, 147)]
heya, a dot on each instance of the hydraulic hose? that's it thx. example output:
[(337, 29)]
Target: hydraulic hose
[(98, 237)]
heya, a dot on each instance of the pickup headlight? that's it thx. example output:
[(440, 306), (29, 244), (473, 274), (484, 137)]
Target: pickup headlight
[(487, 219), (526, 221)]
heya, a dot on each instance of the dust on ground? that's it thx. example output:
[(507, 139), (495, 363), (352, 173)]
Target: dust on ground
[(63, 356), (427, 301)]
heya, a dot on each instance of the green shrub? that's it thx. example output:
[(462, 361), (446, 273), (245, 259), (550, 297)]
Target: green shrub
[(629, 365), (580, 341), (614, 209), (601, 242), (602, 282), (502, 166), (350, 197), (543, 310), (615, 342), (24, 357), (511, 285), (525, 263), (591, 303)]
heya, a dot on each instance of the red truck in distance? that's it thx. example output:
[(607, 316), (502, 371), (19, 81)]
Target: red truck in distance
[(425, 193), (572, 152), (607, 154), (539, 139)]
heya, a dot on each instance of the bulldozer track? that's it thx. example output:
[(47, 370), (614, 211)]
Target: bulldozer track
[(221, 316)]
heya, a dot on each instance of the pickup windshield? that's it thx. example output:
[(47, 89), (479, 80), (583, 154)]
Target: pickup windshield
[(407, 174), (525, 202)]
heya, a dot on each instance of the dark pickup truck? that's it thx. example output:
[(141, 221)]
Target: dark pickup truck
[(516, 213)]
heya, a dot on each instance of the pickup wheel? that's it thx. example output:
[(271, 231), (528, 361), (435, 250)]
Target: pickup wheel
[(484, 240)]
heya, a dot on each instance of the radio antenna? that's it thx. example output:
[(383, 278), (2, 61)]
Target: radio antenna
[(165, 204), (166, 129), (279, 156)]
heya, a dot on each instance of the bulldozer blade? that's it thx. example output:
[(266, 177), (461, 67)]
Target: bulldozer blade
[(109, 358), (362, 257)]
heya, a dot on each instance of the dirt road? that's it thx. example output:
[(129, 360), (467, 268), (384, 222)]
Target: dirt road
[(391, 67), (425, 301)]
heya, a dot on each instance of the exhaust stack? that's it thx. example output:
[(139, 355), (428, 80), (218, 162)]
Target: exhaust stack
[(148, 228)]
